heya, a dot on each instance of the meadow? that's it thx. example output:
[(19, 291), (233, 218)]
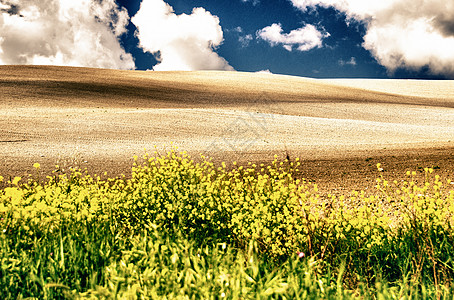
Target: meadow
[(184, 228)]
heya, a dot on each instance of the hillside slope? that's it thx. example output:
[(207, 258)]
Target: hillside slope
[(95, 117)]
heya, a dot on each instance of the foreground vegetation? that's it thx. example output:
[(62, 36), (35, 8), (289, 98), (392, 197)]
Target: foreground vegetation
[(181, 229)]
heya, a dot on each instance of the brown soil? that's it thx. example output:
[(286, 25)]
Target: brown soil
[(340, 129)]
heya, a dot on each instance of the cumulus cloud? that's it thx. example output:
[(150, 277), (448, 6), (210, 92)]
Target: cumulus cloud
[(410, 34), (304, 38), (179, 42), (62, 32)]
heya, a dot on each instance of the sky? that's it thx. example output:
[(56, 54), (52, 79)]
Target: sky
[(310, 38)]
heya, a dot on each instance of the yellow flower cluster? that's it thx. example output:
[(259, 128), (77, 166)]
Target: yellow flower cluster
[(262, 203), (428, 204), (43, 206)]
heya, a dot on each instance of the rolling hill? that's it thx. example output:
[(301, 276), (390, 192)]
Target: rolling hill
[(101, 118)]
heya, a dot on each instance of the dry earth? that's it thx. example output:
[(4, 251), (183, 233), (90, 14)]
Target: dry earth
[(340, 129)]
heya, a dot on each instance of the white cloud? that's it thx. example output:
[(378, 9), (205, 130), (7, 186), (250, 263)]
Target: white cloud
[(411, 34), (351, 62), (63, 32), (304, 38), (238, 29), (179, 42), (267, 71), (245, 40), (254, 2), (353, 8)]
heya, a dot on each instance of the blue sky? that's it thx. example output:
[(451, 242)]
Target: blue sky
[(333, 59), (312, 38)]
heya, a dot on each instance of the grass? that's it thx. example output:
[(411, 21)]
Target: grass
[(178, 229)]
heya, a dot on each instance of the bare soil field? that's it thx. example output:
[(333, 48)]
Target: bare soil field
[(98, 119)]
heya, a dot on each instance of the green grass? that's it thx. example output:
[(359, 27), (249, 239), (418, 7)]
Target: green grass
[(185, 230)]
